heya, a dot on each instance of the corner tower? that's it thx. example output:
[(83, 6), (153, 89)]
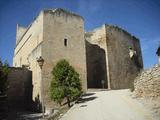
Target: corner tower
[(63, 38)]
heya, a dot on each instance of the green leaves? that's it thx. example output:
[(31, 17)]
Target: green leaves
[(4, 70), (65, 83)]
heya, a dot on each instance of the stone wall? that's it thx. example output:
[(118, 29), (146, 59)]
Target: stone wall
[(19, 94), (122, 69), (147, 84)]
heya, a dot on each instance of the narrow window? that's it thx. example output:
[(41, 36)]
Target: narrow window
[(65, 42)]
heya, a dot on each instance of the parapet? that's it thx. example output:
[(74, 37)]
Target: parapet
[(60, 10), (109, 26)]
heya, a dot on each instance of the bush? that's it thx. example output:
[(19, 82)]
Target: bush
[(4, 70), (65, 83)]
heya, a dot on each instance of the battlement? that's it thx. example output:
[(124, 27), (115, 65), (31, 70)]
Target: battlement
[(60, 10), (109, 26)]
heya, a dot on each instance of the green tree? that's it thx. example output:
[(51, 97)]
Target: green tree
[(65, 83), (4, 70)]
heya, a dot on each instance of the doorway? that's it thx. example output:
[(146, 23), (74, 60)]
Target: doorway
[(96, 66)]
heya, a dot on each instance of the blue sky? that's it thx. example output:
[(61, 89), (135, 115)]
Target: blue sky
[(139, 17)]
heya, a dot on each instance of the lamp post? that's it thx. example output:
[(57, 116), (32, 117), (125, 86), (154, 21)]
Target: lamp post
[(40, 61)]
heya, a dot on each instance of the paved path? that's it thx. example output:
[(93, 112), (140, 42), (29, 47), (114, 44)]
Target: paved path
[(108, 105)]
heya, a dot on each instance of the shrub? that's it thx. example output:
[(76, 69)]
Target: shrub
[(65, 83), (4, 70)]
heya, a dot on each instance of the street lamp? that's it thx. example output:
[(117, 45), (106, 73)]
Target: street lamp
[(40, 61)]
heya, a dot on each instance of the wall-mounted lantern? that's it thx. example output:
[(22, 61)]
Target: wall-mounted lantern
[(40, 61)]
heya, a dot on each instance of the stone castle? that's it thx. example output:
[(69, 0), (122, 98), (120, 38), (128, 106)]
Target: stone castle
[(107, 55)]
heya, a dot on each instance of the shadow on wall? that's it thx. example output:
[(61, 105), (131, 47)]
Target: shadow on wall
[(96, 66), (37, 105)]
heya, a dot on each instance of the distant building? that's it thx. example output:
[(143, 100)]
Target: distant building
[(99, 56), (158, 54)]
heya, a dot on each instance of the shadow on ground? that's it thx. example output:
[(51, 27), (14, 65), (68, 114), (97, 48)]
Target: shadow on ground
[(87, 94), (14, 115), (86, 98), (31, 116), (83, 106)]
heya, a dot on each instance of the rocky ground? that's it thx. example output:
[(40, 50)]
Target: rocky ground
[(153, 105), (147, 89)]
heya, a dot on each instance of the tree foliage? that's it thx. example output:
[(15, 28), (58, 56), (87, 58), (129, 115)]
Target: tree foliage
[(4, 70), (65, 83)]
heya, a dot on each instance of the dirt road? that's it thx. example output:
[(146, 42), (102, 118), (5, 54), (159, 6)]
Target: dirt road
[(108, 105)]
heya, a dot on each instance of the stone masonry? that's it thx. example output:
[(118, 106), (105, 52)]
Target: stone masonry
[(147, 84), (99, 56), (54, 34), (118, 68)]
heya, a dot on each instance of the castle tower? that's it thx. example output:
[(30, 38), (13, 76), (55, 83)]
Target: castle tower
[(54, 34)]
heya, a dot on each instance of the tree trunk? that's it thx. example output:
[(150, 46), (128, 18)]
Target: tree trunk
[(68, 101)]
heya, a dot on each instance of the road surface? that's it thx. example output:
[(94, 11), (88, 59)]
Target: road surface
[(108, 105)]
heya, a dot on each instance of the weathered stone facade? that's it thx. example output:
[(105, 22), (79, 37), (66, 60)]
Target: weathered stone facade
[(147, 84), (102, 54), (46, 37), (118, 68)]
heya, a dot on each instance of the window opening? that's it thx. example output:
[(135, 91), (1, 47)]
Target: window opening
[(65, 42)]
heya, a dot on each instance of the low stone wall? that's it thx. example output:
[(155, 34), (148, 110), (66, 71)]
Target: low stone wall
[(19, 94), (3, 107), (147, 84)]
